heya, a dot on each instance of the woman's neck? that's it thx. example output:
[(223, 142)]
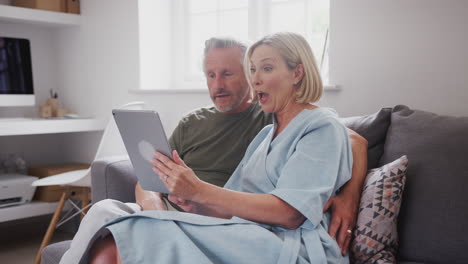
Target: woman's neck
[(284, 117)]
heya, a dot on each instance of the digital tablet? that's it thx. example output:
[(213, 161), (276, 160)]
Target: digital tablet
[(143, 134)]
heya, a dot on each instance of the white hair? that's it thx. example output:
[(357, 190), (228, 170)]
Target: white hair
[(223, 43)]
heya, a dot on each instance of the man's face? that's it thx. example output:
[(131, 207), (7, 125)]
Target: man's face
[(226, 81)]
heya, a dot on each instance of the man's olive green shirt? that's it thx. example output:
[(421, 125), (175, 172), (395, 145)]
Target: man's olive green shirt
[(213, 143)]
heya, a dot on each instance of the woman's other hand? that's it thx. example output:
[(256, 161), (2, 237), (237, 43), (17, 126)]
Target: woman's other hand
[(186, 205), (195, 208), (344, 211), (177, 176), (149, 200)]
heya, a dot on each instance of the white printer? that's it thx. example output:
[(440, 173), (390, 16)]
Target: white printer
[(16, 189)]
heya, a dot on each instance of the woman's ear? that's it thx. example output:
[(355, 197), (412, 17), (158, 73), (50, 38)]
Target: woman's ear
[(298, 73)]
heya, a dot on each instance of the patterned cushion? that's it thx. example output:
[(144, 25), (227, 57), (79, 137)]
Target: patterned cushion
[(375, 238)]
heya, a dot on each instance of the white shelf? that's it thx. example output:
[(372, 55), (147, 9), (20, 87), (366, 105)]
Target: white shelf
[(38, 17), (14, 127), (34, 208)]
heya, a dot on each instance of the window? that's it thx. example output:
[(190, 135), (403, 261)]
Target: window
[(194, 21), (205, 19)]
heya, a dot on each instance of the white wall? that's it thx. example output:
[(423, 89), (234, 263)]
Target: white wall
[(383, 53), (98, 65), (399, 52)]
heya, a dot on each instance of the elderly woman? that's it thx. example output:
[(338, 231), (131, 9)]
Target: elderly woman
[(271, 209)]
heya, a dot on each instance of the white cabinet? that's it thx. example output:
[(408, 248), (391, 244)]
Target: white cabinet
[(39, 19), (16, 127)]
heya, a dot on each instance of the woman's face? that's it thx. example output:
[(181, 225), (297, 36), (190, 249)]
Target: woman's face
[(271, 79)]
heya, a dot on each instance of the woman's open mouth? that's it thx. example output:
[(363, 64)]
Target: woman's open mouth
[(262, 97)]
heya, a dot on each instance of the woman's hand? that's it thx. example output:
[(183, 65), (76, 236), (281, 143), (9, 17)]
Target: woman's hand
[(177, 176), (196, 208), (186, 205), (344, 210), (148, 200)]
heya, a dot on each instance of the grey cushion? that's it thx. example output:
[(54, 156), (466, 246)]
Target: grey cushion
[(374, 129), (54, 252), (113, 178), (432, 222)]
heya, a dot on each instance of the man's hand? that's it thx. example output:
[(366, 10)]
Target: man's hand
[(344, 213), (148, 200)]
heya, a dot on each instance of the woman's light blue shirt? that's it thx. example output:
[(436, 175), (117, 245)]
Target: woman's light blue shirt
[(304, 165)]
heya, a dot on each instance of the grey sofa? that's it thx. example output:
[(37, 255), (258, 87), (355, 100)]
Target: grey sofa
[(432, 221)]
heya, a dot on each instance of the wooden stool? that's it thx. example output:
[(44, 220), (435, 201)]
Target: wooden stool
[(71, 192)]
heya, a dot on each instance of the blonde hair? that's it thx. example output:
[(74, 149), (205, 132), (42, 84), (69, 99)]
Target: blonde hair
[(295, 50)]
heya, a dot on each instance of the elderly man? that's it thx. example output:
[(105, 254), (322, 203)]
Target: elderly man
[(213, 140)]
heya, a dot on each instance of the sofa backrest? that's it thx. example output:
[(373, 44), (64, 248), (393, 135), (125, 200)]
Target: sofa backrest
[(432, 221), (374, 129)]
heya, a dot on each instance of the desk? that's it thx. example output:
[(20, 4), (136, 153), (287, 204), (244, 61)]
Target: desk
[(30, 126)]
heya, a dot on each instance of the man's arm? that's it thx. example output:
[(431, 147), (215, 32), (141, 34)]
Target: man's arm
[(345, 205)]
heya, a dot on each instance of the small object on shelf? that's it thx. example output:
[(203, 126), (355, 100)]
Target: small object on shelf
[(54, 192), (71, 116), (61, 112), (50, 5), (16, 189), (45, 111), (20, 164), (53, 94), (54, 104), (73, 6)]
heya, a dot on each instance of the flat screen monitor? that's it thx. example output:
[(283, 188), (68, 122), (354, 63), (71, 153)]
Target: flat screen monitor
[(16, 81)]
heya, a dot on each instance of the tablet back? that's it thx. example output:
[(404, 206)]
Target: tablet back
[(143, 134)]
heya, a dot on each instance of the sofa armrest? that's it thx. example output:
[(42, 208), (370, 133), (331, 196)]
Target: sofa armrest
[(113, 178)]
